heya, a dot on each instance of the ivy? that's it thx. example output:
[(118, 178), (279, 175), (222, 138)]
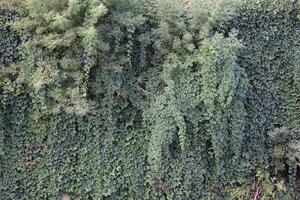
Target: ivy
[(149, 99)]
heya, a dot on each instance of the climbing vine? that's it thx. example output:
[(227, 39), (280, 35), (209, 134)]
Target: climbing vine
[(149, 99)]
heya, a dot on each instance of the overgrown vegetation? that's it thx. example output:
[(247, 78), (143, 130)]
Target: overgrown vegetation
[(149, 99)]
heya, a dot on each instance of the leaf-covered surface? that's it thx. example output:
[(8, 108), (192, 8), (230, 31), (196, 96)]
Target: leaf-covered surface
[(149, 99)]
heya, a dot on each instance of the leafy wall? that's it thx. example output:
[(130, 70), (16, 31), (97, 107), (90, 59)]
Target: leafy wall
[(149, 99)]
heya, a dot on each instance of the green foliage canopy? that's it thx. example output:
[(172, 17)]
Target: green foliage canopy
[(149, 99)]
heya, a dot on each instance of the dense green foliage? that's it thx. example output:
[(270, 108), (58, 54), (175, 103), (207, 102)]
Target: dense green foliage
[(149, 99)]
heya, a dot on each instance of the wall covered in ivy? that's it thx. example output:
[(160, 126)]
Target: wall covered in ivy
[(149, 99)]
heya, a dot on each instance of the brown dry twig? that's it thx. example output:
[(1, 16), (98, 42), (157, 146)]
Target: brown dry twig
[(65, 197), (184, 2), (256, 190)]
